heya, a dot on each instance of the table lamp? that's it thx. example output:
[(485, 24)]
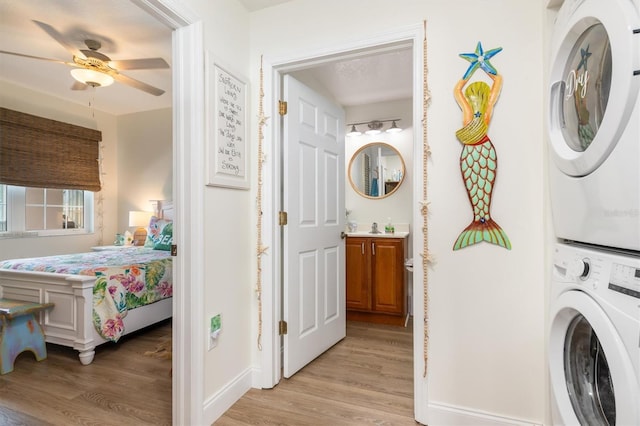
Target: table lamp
[(139, 220)]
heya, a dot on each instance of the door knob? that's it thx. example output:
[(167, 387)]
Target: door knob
[(343, 235)]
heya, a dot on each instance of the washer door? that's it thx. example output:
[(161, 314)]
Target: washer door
[(593, 87), (592, 377)]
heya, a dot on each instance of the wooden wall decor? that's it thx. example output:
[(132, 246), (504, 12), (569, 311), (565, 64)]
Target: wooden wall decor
[(478, 160)]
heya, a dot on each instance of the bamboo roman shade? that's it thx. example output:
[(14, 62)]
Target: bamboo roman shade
[(42, 153)]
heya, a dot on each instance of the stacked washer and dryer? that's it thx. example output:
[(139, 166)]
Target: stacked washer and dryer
[(594, 182)]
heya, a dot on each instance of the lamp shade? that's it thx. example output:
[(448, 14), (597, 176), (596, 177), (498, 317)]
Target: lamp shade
[(91, 77), (139, 218)]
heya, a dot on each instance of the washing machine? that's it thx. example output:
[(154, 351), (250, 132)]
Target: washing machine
[(594, 336), (594, 122)]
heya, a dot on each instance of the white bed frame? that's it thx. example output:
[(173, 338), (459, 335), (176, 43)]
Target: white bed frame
[(70, 322)]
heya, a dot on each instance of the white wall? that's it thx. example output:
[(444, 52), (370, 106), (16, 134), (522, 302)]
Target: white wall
[(229, 229), (25, 100), (144, 166), (486, 353)]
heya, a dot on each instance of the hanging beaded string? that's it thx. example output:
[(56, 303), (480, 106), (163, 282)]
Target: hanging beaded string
[(424, 204), (100, 200), (260, 249)]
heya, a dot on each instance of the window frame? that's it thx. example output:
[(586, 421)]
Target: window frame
[(16, 216)]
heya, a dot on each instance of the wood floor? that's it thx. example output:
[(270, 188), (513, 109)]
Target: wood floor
[(121, 387), (366, 379)]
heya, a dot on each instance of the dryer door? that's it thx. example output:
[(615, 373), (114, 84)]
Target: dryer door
[(592, 378), (595, 53)]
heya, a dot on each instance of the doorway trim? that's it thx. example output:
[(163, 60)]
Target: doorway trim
[(274, 69), (188, 167)]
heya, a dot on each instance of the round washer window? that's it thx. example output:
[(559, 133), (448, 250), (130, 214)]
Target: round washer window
[(587, 373), (587, 83)]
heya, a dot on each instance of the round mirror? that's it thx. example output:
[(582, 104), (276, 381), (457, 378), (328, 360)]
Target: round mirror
[(376, 170)]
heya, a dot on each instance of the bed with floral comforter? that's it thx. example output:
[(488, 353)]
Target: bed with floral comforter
[(126, 278)]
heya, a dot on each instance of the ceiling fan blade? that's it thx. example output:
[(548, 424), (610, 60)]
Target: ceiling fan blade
[(53, 33), (140, 64), (35, 57), (137, 84)]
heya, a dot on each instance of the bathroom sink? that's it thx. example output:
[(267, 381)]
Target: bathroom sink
[(397, 234)]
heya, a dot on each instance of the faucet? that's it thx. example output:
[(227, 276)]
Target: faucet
[(374, 228)]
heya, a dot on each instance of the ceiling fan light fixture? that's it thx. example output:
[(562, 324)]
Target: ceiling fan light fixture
[(91, 77)]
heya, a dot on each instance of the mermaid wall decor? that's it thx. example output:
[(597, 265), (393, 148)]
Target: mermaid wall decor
[(478, 160)]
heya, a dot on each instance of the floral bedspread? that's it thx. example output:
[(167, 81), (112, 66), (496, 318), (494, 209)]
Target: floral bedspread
[(125, 279)]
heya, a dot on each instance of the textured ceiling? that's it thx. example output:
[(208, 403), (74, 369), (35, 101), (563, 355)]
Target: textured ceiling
[(369, 79)]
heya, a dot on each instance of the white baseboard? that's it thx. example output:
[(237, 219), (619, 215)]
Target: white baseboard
[(216, 405), (443, 414)]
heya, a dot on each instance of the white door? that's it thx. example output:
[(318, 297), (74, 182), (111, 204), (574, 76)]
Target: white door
[(313, 197)]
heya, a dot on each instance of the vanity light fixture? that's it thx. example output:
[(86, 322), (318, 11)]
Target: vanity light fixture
[(374, 127), (394, 128), (354, 131)]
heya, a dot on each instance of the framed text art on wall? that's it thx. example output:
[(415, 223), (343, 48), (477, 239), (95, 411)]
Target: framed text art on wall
[(226, 108)]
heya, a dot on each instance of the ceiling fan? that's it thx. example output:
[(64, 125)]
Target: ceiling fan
[(95, 69)]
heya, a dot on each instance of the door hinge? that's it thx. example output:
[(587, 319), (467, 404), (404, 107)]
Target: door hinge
[(282, 218), (282, 107), (282, 328), (174, 249)]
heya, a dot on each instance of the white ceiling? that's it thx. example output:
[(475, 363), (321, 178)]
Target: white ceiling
[(253, 5), (128, 32)]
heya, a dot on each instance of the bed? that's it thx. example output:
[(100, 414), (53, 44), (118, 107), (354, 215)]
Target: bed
[(99, 296)]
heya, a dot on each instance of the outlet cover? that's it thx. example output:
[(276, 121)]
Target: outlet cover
[(214, 330), (216, 323)]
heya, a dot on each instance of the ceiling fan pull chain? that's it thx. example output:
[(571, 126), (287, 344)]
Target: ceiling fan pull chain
[(92, 100)]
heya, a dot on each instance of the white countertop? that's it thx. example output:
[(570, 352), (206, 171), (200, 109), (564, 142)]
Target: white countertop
[(397, 234), (364, 230)]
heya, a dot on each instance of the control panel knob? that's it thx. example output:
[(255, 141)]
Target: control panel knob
[(578, 268)]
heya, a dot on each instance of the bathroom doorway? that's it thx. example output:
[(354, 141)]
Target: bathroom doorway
[(408, 40)]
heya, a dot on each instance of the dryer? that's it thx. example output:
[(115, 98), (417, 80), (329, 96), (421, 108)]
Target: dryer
[(594, 123), (593, 346)]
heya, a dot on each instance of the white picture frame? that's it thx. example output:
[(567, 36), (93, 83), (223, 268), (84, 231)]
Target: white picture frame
[(226, 103)]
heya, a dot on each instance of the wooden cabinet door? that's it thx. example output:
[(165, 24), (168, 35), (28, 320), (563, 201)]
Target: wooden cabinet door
[(387, 258), (358, 273)]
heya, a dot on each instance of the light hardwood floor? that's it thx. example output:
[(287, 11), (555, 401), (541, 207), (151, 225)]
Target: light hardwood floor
[(121, 387), (366, 379)]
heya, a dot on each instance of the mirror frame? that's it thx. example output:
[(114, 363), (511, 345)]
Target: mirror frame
[(358, 152)]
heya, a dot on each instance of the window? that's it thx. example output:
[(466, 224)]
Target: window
[(45, 211), (3, 208)]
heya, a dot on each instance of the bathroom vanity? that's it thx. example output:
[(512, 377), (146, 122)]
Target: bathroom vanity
[(376, 277)]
